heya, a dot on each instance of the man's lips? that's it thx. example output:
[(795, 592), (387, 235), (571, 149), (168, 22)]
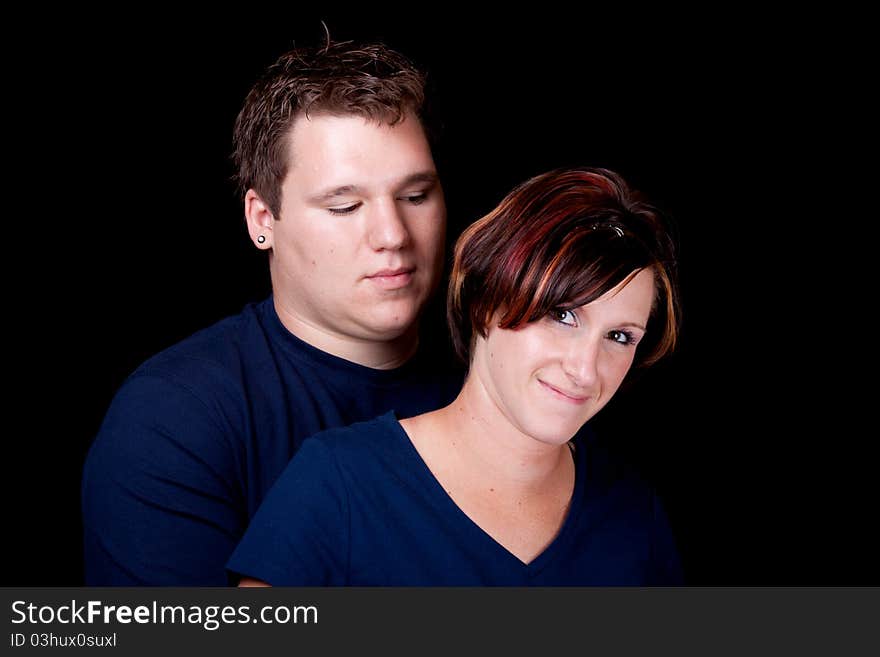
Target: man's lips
[(392, 272), (564, 394), (391, 279)]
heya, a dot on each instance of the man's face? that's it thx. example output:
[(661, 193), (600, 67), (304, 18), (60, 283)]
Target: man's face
[(358, 247)]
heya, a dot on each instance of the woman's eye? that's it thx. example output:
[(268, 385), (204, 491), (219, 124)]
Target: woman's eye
[(622, 337), (564, 317), (346, 210)]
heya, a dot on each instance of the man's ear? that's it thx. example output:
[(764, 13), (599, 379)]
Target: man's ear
[(260, 220)]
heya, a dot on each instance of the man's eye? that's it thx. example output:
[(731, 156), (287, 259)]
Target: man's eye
[(416, 199), (346, 210), (564, 317)]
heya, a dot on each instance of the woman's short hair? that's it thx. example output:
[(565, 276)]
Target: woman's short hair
[(556, 242)]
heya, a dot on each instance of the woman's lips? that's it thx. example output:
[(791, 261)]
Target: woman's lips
[(564, 395)]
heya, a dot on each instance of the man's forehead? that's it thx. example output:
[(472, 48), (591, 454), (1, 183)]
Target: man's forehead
[(324, 123), (333, 155)]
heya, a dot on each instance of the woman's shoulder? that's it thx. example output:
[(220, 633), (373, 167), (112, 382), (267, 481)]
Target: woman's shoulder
[(359, 439)]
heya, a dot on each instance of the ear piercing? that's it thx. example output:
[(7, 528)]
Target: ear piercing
[(261, 239)]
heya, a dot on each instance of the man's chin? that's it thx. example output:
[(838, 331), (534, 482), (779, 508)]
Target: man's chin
[(392, 319), (398, 326), (391, 333)]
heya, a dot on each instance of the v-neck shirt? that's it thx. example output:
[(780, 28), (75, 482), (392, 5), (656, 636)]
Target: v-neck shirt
[(358, 506)]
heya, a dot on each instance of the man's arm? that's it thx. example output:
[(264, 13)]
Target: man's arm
[(162, 500)]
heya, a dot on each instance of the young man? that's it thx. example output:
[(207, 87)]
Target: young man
[(341, 189)]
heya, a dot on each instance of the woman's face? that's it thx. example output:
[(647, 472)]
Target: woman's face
[(550, 376)]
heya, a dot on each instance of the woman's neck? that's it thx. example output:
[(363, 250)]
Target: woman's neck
[(515, 488), (481, 438)]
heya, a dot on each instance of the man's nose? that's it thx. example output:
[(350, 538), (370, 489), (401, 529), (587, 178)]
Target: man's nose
[(387, 227)]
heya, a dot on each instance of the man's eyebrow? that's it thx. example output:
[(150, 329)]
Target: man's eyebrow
[(422, 176), (328, 194)]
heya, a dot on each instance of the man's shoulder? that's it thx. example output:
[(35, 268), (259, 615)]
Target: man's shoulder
[(191, 396), (212, 354), (203, 376)]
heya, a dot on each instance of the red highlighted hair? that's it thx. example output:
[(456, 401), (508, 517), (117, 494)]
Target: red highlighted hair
[(558, 241)]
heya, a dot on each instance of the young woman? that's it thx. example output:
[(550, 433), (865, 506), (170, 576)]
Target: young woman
[(554, 296)]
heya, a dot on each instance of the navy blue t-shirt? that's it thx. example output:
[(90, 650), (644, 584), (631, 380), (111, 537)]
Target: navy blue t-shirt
[(196, 436), (358, 506)]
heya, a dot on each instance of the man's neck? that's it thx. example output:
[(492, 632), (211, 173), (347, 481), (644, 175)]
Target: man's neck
[(376, 354)]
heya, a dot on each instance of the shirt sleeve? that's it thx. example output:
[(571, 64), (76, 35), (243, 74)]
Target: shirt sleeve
[(162, 501), (300, 534)]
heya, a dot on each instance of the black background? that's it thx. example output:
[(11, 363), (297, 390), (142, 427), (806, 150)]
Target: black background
[(125, 235)]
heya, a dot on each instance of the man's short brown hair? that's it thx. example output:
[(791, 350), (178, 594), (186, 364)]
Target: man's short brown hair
[(340, 79)]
